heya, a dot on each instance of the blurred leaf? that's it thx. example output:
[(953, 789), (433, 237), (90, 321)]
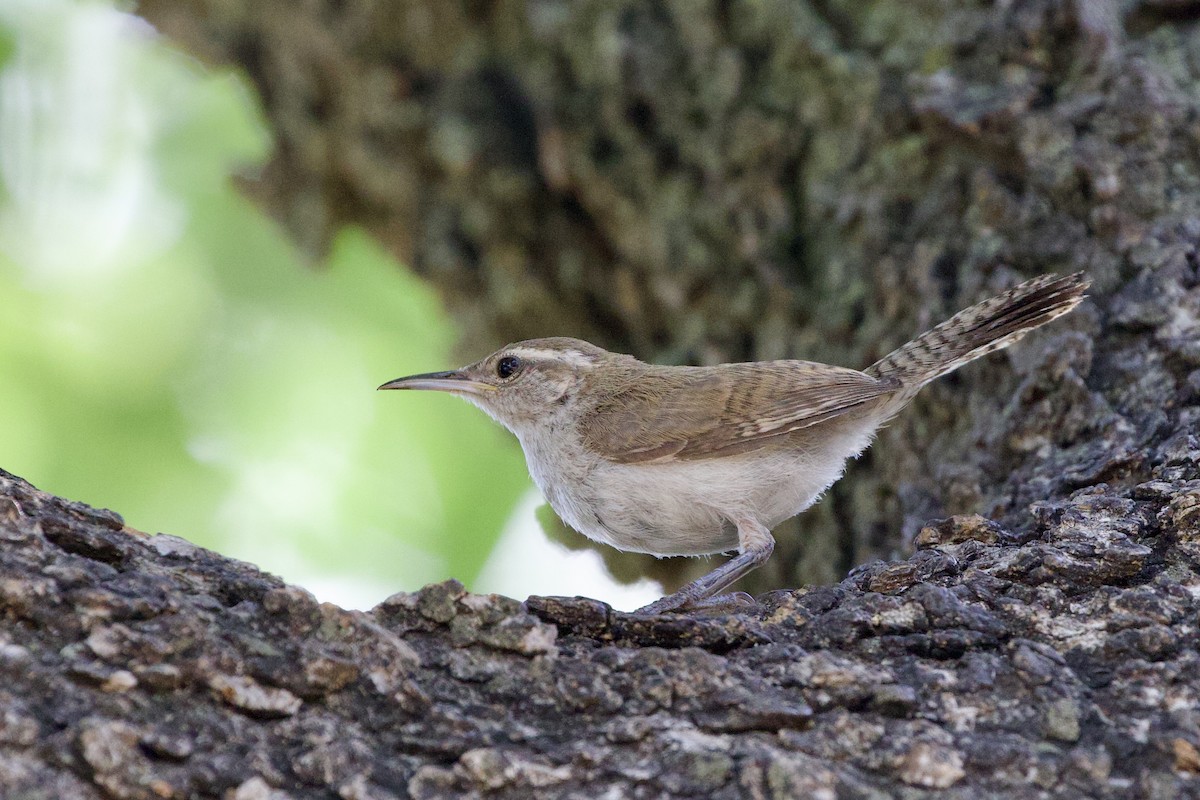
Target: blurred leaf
[(8, 45), (217, 130)]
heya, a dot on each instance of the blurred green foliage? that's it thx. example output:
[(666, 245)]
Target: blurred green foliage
[(165, 352)]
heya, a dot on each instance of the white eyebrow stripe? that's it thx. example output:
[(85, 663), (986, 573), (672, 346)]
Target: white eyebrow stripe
[(572, 357)]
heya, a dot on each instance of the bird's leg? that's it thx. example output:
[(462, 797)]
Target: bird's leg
[(755, 545)]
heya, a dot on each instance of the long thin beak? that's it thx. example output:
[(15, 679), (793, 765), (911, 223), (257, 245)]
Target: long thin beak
[(453, 381)]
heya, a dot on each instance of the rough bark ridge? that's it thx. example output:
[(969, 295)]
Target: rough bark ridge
[(697, 181), (1059, 662)]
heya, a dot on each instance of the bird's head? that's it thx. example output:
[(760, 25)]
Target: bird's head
[(522, 385)]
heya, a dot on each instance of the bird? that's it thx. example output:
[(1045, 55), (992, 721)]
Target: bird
[(699, 460)]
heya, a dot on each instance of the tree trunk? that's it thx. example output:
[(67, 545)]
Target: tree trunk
[(699, 182), (696, 182)]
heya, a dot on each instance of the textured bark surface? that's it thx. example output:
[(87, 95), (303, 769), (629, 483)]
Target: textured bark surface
[(698, 182), (1056, 662)]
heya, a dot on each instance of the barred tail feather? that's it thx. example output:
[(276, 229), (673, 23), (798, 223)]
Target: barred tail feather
[(981, 329)]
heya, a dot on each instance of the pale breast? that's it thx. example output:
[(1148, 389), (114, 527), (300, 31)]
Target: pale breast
[(688, 507)]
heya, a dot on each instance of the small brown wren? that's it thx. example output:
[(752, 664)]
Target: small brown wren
[(688, 461)]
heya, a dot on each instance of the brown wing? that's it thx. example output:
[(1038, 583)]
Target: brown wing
[(691, 413)]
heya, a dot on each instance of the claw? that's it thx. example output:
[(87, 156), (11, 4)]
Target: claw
[(731, 602)]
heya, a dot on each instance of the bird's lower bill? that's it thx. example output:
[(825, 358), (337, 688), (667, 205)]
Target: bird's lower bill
[(454, 382)]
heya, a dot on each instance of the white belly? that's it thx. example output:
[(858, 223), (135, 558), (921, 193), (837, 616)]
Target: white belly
[(684, 507)]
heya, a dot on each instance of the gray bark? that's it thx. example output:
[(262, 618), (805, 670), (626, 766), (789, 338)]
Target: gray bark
[(1057, 662)]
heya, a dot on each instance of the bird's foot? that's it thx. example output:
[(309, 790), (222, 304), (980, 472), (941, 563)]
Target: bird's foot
[(683, 601)]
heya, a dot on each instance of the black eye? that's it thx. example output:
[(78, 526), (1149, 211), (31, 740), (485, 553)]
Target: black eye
[(506, 366)]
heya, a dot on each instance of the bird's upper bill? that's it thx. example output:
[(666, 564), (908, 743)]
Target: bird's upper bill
[(455, 381)]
